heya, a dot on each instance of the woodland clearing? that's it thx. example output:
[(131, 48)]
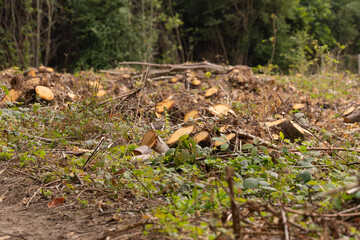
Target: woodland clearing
[(187, 151)]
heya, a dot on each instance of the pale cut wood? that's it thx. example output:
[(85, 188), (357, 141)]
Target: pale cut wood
[(221, 110), (42, 69), (201, 136), (49, 70), (160, 108), (12, 96), (223, 128), (179, 133), (45, 93), (191, 115), (353, 117), (196, 82), (154, 141), (101, 93), (298, 106), (95, 85), (211, 91), (349, 111), (229, 137), (30, 73), (149, 138), (290, 129)]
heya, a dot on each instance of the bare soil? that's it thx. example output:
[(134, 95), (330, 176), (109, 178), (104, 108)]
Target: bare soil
[(24, 213)]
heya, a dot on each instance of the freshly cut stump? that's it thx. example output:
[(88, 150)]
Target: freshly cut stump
[(179, 133), (201, 136), (211, 91), (149, 138), (349, 111), (160, 108), (221, 110), (353, 117), (191, 115), (45, 93), (290, 129), (13, 96), (229, 137), (101, 93)]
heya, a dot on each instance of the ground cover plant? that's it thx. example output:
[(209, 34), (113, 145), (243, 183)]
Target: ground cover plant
[(242, 155)]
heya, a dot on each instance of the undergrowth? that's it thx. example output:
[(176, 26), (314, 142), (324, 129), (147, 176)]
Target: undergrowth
[(296, 183)]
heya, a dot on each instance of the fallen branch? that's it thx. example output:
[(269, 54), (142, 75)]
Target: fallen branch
[(327, 149)]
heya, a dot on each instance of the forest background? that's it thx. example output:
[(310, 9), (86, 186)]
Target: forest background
[(288, 35)]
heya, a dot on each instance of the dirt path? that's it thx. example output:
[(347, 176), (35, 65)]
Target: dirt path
[(69, 221)]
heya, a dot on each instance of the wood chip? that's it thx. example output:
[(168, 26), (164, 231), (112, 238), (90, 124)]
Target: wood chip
[(101, 93), (45, 93), (348, 111), (196, 82), (211, 91), (13, 96), (221, 110), (298, 106), (179, 133), (191, 115), (160, 107), (201, 136), (149, 138)]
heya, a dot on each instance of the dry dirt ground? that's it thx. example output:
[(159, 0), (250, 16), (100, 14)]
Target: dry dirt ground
[(24, 213)]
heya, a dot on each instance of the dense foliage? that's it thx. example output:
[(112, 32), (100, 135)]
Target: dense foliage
[(97, 33)]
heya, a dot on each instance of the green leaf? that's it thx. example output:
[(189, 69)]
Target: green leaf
[(6, 90), (250, 183), (256, 141), (357, 195), (254, 151), (182, 156), (247, 146), (304, 176), (224, 147), (282, 137)]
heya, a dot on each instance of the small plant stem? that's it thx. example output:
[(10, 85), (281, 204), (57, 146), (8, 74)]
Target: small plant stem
[(27, 204), (286, 229), (234, 209)]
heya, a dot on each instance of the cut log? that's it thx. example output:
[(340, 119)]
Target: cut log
[(221, 110), (298, 106), (45, 93), (94, 84), (348, 111), (196, 82), (160, 107), (191, 115), (353, 117), (176, 78), (149, 138), (290, 129), (154, 141), (201, 136), (229, 137), (12, 96), (101, 93), (30, 73), (211, 91), (179, 133), (43, 69)]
